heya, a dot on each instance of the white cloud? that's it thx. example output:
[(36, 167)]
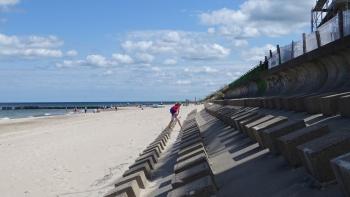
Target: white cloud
[(122, 58), (141, 45), (93, 60), (30, 46), (108, 72), (72, 53), (31, 53), (211, 30), (8, 2), (240, 43), (187, 45), (183, 82), (257, 54), (204, 69), (144, 57), (170, 62), (97, 60), (156, 69), (259, 17)]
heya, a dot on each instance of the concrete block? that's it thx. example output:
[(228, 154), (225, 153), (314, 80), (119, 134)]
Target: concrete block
[(203, 187), (189, 139), (341, 169), (235, 102), (189, 143), (159, 150), (151, 154), (141, 167), (277, 102), (269, 136), (191, 154), (190, 136), (190, 148), (248, 127), (156, 144), (316, 154), (139, 177), (329, 104), (287, 144), (298, 103), (130, 188), (230, 120), (194, 130), (313, 103), (286, 103), (188, 163), (256, 130), (344, 106), (149, 160), (242, 123), (244, 117), (155, 150), (191, 174)]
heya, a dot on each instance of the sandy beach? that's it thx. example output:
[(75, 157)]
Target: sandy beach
[(74, 155)]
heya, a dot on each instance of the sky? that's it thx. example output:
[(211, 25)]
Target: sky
[(134, 50)]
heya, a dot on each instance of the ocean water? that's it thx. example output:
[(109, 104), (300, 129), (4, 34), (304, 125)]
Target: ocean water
[(25, 110)]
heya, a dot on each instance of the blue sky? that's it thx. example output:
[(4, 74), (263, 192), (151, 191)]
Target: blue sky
[(128, 50)]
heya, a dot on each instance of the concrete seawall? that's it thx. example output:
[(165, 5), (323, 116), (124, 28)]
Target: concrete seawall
[(324, 69)]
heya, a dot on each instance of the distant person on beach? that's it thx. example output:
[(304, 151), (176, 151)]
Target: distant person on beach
[(174, 110)]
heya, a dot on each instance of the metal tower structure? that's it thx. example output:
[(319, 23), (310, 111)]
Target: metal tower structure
[(324, 10)]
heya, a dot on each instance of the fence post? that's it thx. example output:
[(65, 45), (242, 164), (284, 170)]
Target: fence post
[(304, 43), (341, 24), (318, 39), (279, 54), (292, 55)]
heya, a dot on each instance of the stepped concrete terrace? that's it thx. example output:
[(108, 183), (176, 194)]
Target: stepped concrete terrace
[(282, 132), (300, 154)]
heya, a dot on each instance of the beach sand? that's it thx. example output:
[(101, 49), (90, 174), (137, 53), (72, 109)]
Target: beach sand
[(75, 155)]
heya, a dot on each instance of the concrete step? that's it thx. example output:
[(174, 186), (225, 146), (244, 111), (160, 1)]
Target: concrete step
[(316, 154), (247, 121), (131, 189), (269, 136), (149, 160), (344, 106), (153, 155), (189, 143), (341, 169), (191, 174), (191, 154), (243, 117), (139, 177), (189, 149), (287, 144), (248, 127), (256, 130), (203, 187), (145, 167), (154, 150), (188, 163)]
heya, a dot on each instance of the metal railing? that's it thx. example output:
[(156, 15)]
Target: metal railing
[(332, 30)]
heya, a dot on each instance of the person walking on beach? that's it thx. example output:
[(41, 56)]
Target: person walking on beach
[(174, 110)]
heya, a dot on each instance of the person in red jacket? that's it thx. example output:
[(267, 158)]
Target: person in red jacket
[(174, 110)]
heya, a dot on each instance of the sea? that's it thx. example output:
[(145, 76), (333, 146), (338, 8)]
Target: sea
[(26, 110)]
